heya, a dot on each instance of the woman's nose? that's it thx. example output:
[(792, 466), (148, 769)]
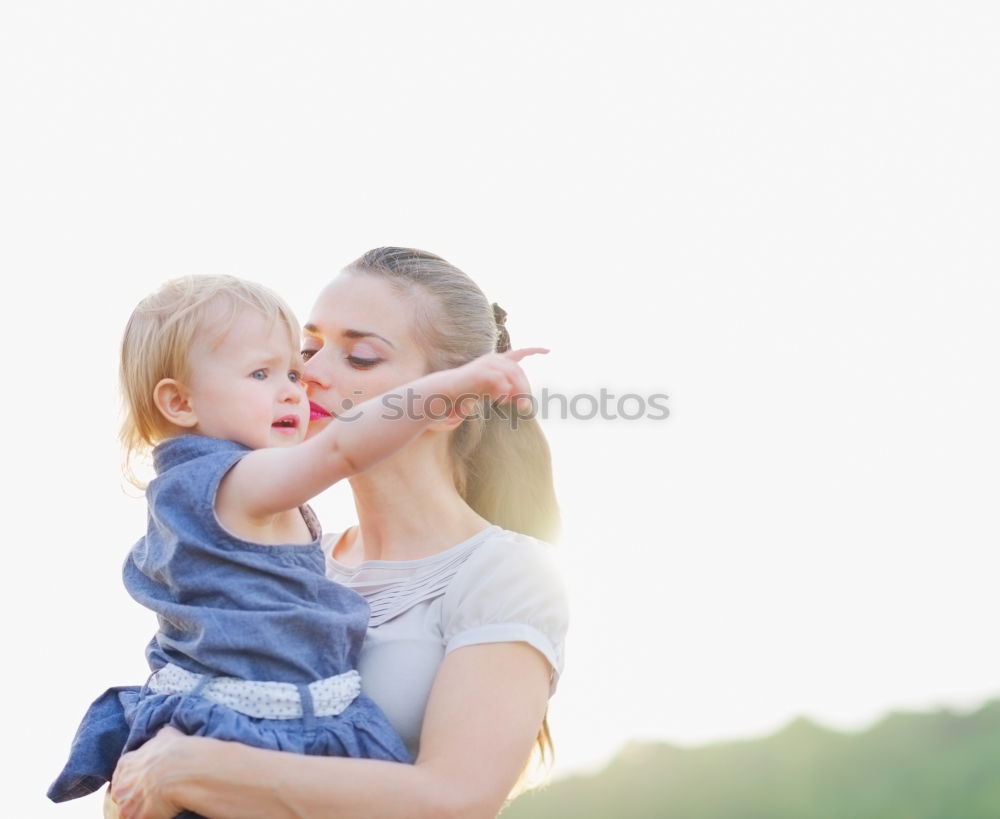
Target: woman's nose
[(313, 374)]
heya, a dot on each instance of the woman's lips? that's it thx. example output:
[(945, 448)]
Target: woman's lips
[(316, 411)]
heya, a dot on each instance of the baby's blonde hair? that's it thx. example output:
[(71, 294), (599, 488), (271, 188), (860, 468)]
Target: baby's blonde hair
[(159, 335)]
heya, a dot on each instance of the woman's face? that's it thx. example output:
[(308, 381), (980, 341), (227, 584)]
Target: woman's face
[(357, 343)]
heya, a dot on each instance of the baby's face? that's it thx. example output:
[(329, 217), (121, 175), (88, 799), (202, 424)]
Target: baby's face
[(245, 385)]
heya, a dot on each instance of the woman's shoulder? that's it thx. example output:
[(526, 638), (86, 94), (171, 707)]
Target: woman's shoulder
[(508, 575), (507, 551), (509, 590)]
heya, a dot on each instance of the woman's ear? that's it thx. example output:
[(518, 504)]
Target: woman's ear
[(465, 407), (173, 401)]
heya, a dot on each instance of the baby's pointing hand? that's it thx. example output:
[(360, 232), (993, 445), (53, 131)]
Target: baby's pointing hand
[(495, 376)]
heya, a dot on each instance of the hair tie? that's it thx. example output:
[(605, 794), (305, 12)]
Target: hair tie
[(503, 337)]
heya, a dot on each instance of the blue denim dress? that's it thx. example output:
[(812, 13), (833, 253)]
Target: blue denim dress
[(228, 608)]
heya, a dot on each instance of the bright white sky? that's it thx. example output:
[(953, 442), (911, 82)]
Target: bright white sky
[(783, 215)]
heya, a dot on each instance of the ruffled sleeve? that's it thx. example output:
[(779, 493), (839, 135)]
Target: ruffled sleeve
[(509, 590)]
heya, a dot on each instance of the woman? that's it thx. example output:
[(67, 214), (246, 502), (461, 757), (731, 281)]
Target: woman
[(468, 616)]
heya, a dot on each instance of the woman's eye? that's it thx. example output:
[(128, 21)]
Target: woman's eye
[(362, 363), (307, 354), (259, 375)]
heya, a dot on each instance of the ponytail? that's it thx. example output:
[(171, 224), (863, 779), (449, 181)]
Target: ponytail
[(505, 471)]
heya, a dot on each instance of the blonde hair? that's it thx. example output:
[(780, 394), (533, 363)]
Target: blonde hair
[(158, 337), (502, 469)]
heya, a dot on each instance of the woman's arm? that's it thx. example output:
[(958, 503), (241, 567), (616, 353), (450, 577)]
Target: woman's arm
[(482, 717)]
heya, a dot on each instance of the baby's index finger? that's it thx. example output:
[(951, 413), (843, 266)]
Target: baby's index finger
[(524, 352)]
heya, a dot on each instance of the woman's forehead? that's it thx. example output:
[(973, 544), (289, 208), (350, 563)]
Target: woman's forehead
[(363, 303)]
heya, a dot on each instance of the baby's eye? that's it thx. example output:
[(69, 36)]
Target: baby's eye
[(295, 376), (259, 375)]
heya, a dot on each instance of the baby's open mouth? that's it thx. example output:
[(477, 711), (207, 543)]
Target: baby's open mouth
[(288, 422)]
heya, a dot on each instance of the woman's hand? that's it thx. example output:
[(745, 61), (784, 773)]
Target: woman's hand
[(484, 710), (141, 787)]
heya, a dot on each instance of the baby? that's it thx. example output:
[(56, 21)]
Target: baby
[(255, 644)]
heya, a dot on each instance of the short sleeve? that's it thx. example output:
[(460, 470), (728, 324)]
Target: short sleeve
[(508, 591)]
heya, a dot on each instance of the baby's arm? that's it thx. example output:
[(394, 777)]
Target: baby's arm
[(268, 481)]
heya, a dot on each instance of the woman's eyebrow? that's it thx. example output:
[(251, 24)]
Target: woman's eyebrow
[(367, 334), (312, 329)]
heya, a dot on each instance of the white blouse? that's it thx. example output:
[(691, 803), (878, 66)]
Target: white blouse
[(496, 587)]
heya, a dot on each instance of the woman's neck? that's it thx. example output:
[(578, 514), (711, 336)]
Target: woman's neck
[(408, 508)]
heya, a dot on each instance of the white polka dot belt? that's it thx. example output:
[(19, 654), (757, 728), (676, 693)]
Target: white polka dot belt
[(264, 700)]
